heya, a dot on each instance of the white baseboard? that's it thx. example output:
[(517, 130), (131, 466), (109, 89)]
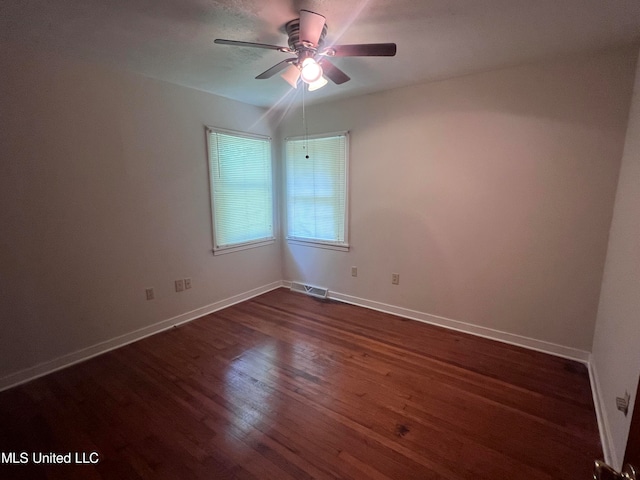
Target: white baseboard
[(78, 356), (492, 334), (608, 451)]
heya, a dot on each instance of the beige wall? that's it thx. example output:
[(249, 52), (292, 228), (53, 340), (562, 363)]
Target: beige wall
[(104, 192), (616, 345), (491, 195)]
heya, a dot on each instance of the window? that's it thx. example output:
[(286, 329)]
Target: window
[(241, 190), (316, 171)]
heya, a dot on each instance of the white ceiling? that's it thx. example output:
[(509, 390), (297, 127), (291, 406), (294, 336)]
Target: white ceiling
[(172, 40)]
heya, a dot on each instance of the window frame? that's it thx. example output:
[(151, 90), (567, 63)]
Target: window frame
[(319, 243), (235, 247)]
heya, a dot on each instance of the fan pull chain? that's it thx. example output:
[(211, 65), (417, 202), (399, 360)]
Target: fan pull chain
[(304, 124)]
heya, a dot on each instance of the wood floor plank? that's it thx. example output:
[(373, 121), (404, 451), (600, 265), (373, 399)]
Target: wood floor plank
[(285, 386)]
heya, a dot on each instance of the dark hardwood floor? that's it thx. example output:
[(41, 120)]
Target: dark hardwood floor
[(285, 386)]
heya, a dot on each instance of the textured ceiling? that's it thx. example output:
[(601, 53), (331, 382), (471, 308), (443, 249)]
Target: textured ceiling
[(172, 40)]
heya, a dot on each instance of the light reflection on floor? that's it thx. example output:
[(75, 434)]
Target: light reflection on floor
[(259, 380)]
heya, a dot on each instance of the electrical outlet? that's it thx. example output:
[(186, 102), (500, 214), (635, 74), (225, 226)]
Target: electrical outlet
[(187, 283), (395, 278), (623, 403), (179, 285), (354, 271), (149, 293)]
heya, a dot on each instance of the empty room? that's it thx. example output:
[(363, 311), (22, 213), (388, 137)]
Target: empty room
[(319, 239)]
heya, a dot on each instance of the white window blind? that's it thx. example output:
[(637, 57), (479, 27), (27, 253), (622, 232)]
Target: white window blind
[(241, 187), (317, 189)]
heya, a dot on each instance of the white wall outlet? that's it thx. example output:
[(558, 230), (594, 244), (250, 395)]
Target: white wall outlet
[(395, 278), (187, 283), (354, 271), (179, 285), (622, 403), (149, 293)]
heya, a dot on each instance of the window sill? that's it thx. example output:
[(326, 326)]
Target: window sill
[(242, 246), (342, 247)]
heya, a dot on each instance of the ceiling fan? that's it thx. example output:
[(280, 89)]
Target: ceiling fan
[(311, 62)]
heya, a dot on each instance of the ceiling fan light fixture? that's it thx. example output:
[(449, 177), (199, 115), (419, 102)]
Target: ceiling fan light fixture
[(321, 82), (311, 71), (292, 75)]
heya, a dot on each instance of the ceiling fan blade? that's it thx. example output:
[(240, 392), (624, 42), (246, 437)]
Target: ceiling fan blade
[(222, 41), (311, 25), (275, 69), (333, 73), (361, 50)]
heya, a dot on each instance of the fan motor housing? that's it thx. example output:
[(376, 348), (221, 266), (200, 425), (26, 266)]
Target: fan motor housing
[(293, 30)]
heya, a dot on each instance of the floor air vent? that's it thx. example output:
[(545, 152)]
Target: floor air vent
[(309, 290)]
